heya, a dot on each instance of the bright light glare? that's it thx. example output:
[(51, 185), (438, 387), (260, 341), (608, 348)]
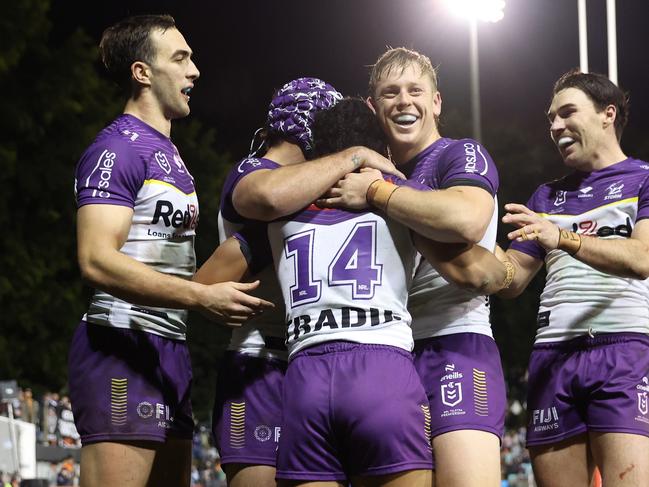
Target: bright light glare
[(485, 10)]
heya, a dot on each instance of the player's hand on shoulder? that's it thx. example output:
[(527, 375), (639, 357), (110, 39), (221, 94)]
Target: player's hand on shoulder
[(350, 192), (368, 158), (230, 304)]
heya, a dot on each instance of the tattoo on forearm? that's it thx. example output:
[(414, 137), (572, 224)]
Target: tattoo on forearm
[(357, 161)]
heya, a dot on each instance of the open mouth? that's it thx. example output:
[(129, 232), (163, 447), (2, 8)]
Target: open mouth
[(186, 91), (405, 119)]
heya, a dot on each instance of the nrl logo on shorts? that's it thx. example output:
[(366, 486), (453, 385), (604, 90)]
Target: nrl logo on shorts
[(452, 393), (643, 403)]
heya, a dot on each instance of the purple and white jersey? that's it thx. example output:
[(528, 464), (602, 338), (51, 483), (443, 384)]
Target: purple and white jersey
[(262, 336), (344, 276), (437, 306), (577, 298), (131, 164)]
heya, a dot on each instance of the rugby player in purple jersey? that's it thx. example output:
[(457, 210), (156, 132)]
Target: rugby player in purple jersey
[(342, 304), (129, 367), (247, 414), (589, 369), (455, 354)]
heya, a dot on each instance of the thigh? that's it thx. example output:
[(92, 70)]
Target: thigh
[(123, 464), (463, 379), (623, 459), (467, 458), (172, 465), (247, 416), (565, 463), (411, 478), (241, 475)]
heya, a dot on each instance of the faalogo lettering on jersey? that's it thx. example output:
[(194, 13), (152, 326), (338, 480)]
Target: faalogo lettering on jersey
[(131, 164)]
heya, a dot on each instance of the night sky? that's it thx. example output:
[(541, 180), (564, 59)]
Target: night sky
[(246, 49)]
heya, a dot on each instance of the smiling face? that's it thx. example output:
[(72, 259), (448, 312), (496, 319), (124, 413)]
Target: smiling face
[(579, 130), (407, 104), (172, 73)]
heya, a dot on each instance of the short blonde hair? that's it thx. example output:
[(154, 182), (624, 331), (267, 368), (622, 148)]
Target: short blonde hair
[(399, 58)]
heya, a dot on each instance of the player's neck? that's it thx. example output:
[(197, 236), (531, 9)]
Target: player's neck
[(285, 153), (149, 113), (403, 153), (606, 156)]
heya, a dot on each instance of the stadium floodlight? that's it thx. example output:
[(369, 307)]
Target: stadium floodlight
[(474, 10), (485, 10)]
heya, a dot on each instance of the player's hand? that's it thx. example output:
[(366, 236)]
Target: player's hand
[(531, 226), (371, 159), (350, 192), (229, 304)]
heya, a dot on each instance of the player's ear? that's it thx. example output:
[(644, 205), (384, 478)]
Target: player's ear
[(369, 101), (141, 73)]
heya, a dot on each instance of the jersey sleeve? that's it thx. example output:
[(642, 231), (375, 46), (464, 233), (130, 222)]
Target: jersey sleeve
[(109, 173), (467, 163), (530, 247), (254, 244), (236, 174), (643, 201)]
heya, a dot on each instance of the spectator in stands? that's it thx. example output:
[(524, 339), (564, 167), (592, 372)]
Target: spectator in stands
[(66, 473), (30, 408)]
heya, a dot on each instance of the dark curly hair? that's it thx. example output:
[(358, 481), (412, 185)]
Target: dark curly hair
[(350, 122)]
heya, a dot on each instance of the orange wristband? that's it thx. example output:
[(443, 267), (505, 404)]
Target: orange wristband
[(569, 241), (379, 193)]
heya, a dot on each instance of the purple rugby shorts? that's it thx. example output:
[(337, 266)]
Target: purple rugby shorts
[(247, 416), (464, 381), (129, 385), (352, 409), (588, 383)]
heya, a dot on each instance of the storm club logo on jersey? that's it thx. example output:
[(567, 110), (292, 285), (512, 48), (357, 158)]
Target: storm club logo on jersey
[(614, 191)]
